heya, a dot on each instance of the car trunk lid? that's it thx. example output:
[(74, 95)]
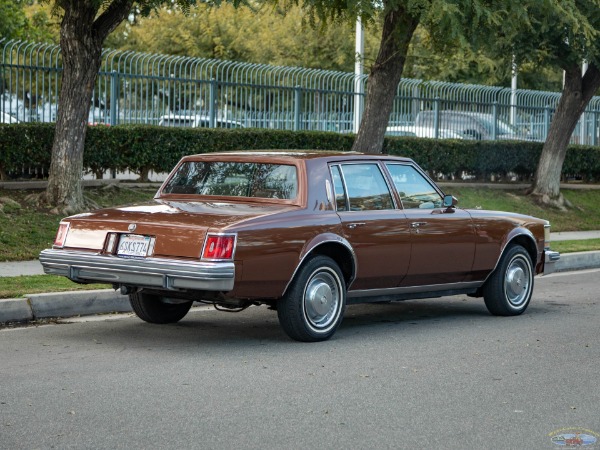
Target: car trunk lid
[(177, 228)]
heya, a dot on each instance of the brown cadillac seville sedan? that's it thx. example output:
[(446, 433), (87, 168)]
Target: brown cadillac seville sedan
[(305, 233)]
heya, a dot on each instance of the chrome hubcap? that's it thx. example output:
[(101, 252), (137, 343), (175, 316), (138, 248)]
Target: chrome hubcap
[(517, 282), (321, 299)]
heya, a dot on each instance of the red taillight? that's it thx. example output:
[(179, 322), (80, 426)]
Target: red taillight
[(61, 235), (219, 246)]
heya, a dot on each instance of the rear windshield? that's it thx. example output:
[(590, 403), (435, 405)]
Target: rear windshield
[(234, 179)]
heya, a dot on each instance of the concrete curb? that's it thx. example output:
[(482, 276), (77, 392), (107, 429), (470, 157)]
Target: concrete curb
[(62, 304), (578, 261), (66, 304)]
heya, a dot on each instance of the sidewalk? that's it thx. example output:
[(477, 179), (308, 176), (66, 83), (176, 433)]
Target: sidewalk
[(573, 236), (65, 304)]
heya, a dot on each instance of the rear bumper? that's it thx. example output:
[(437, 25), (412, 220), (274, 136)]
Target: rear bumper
[(170, 274), (550, 260)]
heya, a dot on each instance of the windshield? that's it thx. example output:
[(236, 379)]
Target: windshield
[(234, 179)]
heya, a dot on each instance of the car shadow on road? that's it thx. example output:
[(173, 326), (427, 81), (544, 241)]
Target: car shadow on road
[(258, 325)]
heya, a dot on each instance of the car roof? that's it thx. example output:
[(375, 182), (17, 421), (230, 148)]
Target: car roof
[(329, 155)]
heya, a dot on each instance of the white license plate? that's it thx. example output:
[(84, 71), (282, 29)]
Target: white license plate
[(133, 246)]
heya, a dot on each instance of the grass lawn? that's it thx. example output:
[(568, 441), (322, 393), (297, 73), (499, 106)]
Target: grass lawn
[(586, 245), (26, 230), (585, 214), (15, 287)]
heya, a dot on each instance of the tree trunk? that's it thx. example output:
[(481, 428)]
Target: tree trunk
[(81, 60), (398, 29), (577, 93), (82, 33)]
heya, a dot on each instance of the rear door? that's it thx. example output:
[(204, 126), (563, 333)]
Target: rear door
[(443, 239), (376, 229)]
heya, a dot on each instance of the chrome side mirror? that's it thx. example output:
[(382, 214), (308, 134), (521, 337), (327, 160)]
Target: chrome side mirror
[(450, 201)]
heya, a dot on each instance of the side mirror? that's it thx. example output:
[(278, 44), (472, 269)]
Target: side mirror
[(450, 201)]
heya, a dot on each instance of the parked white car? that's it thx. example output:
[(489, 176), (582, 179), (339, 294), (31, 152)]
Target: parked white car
[(196, 121), (7, 118), (423, 132)]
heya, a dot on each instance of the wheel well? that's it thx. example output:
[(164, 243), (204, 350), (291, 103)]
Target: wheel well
[(528, 244), (341, 255)]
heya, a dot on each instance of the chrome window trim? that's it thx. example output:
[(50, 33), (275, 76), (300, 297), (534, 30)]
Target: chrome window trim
[(383, 173), (419, 171)]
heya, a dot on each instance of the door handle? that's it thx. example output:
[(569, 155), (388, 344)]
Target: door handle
[(417, 224), (355, 224)]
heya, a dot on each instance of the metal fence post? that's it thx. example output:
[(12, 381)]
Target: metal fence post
[(495, 119), (546, 121), (436, 118), (114, 97), (212, 103), (594, 129), (297, 107)]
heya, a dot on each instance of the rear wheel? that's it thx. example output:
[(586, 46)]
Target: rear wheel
[(155, 309), (508, 290), (314, 304)]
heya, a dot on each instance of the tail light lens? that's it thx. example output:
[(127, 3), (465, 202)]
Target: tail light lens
[(219, 246), (61, 235)]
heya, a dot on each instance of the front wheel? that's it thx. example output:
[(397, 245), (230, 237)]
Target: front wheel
[(155, 309), (508, 290), (313, 306)]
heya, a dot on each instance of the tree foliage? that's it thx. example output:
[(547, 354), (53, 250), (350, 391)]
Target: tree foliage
[(25, 20), (13, 21), (288, 35), (258, 34), (464, 64)]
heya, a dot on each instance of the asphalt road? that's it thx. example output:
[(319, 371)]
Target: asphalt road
[(423, 374)]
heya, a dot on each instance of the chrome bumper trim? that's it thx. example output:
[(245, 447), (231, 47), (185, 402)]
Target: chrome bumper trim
[(550, 260), (159, 273)]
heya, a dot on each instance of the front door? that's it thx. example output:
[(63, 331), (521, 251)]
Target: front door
[(443, 239)]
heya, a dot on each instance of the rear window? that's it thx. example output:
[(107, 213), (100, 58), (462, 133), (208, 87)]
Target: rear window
[(234, 179)]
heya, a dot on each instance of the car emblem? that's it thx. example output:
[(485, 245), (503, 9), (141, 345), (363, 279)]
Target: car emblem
[(132, 227)]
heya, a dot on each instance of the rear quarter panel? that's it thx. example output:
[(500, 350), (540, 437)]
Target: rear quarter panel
[(270, 249)]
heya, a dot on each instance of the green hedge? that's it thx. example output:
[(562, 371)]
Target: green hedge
[(140, 148)]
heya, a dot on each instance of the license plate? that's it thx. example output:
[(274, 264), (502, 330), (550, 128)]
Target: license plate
[(133, 246)]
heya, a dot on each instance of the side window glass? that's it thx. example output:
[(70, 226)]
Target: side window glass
[(338, 189), (367, 189), (414, 189)]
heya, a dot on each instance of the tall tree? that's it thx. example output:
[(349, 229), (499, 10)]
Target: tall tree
[(85, 24), (560, 34), (565, 39)]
